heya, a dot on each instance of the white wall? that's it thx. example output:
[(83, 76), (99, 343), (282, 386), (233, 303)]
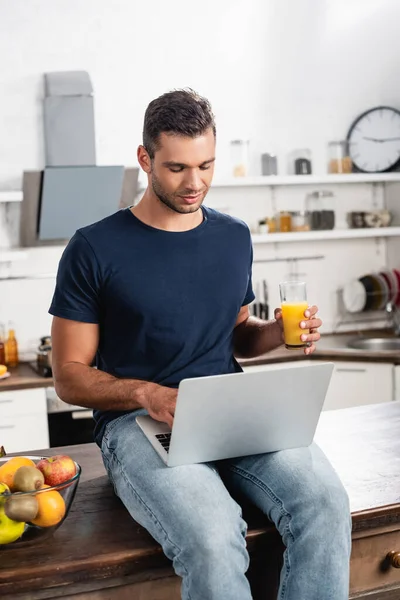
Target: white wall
[(284, 73)]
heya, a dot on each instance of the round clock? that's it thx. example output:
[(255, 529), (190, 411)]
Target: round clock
[(374, 140)]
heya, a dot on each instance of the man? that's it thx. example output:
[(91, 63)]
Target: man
[(160, 292)]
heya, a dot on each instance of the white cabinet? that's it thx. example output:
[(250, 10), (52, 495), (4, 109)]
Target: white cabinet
[(352, 383), (23, 420), (358, 383), (396, 391)]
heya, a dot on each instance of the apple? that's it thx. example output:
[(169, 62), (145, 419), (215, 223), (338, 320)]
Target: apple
[(57, 469)]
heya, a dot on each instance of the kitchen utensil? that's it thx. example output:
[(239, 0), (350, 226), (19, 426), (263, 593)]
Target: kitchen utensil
[(269, 164), (354, 296), (44, 357), (355, 219), (266, 305), (374, 292)]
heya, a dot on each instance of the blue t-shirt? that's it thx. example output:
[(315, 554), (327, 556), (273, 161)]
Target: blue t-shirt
[(166, 302)]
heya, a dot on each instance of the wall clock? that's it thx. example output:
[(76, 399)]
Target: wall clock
[(374, 140)]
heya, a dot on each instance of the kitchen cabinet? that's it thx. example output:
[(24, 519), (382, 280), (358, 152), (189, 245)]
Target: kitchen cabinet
[(352, 384), (23, 420), (359, 383)]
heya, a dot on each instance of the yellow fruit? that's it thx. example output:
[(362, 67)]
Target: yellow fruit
[(8, 469), (10, 530), (51, 508), (3, 370)]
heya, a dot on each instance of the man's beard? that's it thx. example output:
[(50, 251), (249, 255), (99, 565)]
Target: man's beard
[(168, 199)]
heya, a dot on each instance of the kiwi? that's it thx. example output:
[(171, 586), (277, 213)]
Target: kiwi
[(28, 479), (21, 508)]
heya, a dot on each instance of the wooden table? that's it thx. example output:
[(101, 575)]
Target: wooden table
[(100, 553)]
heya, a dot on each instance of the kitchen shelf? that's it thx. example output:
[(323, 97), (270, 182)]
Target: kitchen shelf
[(334, 234), (289, 180), (11, 196)]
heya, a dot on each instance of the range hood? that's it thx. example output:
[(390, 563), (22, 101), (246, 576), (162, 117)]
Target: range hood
[(72, 191)]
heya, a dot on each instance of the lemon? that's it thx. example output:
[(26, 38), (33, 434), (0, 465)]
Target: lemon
[(3, 370), (10, 530)]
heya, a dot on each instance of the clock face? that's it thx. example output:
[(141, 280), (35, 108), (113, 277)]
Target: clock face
[(374, 140)]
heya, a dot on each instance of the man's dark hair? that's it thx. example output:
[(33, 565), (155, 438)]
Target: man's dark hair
[(181, 112)]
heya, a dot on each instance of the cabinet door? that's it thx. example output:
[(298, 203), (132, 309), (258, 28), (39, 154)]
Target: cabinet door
[(358, 383), (23, 420), (21, 434), (23, 402)]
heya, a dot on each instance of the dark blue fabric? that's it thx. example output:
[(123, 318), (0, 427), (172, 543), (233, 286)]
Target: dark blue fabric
[(166, 302)]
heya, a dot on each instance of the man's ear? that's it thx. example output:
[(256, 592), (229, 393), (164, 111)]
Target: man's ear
[(144, 159)]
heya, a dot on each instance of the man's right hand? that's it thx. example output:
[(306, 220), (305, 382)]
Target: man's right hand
[(160, 403)]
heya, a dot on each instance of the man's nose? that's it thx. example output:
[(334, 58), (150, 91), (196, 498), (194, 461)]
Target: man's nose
[(193, 180)]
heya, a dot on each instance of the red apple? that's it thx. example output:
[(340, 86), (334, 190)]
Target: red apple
[(56, 469)]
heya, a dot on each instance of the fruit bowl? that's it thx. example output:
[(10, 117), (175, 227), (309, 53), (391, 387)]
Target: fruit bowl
[(26, 516)]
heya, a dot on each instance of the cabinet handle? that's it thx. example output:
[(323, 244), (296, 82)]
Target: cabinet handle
[(344, 370), (82, 414), (7, 426), (6, 401), (394, 559)]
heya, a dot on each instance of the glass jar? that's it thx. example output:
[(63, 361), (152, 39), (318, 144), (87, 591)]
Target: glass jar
[(339, 160), (272, 225), (285, 221), (300, 220), (239, 157), (301, 162)]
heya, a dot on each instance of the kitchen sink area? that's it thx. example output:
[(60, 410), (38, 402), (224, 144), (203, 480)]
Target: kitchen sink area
[(375, 344), (368, 342)]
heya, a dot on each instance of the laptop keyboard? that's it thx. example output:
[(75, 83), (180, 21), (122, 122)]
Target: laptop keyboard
[(164, 439)]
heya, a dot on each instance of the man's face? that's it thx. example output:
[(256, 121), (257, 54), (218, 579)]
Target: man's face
[(182, 171)]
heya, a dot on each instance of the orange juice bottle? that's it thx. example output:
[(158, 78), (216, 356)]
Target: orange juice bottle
[(293, 304)]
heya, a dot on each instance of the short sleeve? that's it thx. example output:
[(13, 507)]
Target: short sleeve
[(77, 291), (249, 297)]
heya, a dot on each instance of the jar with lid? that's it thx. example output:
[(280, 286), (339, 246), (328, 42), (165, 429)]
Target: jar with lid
[(285, 221), (300, 162), (300, 220), (339, 160), (239, 157)]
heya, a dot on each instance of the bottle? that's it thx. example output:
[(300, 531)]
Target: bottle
[(11, 348), (2, 346)]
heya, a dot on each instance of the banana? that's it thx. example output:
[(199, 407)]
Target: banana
[(10, 530)]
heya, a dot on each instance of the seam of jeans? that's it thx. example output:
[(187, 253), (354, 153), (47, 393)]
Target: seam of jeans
[(150, 512), (110, 426), (260, 484)]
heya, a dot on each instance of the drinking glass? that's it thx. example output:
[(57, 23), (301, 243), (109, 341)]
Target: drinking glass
[(293, 304)]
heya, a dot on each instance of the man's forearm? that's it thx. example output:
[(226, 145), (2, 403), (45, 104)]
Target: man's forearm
[(255, 336), (78, 384)]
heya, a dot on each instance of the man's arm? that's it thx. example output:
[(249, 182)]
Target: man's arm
[(253, 337), (74, 345)]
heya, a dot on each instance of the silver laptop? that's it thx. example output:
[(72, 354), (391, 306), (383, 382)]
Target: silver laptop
[(226, 416)]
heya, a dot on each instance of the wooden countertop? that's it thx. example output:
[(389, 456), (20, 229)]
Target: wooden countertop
[(24, 377), (99, 540), (331, 347)]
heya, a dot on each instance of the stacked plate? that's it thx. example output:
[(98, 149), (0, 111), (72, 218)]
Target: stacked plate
[(372, 292)]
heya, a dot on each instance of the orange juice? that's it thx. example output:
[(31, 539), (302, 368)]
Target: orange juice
[(292, 315)]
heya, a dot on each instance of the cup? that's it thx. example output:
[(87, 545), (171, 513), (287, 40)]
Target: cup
[(293, 304)]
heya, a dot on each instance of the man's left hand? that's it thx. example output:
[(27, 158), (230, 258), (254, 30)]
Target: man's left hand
[(311, 322)]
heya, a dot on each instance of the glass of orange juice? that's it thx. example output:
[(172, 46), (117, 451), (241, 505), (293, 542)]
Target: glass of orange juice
[(293, 304)]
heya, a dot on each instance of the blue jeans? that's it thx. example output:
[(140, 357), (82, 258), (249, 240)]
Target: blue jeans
[(190, 511)]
